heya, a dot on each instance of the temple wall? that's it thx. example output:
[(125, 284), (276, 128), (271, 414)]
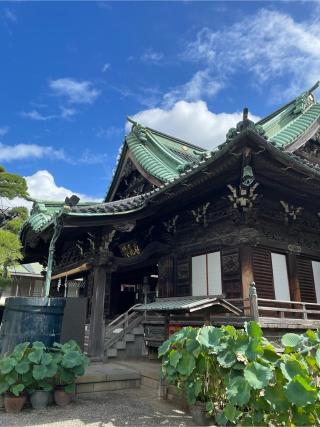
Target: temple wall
[(225, 229)]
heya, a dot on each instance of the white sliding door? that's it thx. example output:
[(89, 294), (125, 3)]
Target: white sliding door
[(280, 277), (199, 275), (206, 274), (214, 273), (316, 278)]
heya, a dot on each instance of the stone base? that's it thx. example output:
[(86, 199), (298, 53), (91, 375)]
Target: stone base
[(106, 377)]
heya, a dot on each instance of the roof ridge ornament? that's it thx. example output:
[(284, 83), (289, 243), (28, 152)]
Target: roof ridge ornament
[(139, 130), (244, 124), (306, 99)]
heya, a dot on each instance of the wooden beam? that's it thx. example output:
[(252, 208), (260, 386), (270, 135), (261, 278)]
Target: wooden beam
[(246, 274), (101, 277), (82, 267)]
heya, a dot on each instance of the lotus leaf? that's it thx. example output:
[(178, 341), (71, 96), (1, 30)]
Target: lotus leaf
[(17, 389), (291, 340), (7, 364), (257, 375)]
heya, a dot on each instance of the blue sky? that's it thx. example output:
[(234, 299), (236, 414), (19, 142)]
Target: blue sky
[(71, 72)]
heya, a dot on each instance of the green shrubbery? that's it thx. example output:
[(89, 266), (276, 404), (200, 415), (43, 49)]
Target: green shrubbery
[(35, 367), (241, 376)]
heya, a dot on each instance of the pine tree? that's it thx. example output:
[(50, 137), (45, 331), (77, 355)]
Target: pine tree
[(11, 220)]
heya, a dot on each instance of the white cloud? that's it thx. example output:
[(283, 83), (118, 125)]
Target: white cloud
[(75, 91), (152, 56), (26, 151), (109, 132), (36, 115), (105, 67), (201, 85), (192, 122), (42, 186), (4, 130), (269, 46), (16, 202), (90, 158), (65, 113)]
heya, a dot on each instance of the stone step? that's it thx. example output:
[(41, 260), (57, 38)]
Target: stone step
[(112, 352), (138, 330), (100, 378), (120, 345), (95, 359), (129, 337), (114, 332)]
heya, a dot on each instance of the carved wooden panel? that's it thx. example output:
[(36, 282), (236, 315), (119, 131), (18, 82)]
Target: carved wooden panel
[(183, 276), (231, 274), (166, 282)]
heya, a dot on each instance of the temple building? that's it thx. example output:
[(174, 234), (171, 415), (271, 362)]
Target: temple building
[(183, 232)]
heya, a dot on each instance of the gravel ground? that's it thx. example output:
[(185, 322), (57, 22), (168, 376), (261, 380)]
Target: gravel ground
[(132, 407)]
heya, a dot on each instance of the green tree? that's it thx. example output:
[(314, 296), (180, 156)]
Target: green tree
[(11, 220), (12, 185)]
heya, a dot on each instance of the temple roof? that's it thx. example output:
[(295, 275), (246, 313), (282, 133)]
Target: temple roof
[(292, 121), (161, 156), (43, 211), (173, 161)]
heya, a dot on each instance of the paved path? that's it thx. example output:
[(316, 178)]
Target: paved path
[(132, 407)]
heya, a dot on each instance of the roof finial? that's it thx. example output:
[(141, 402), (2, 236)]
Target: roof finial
[(314, 87), (245, 114)]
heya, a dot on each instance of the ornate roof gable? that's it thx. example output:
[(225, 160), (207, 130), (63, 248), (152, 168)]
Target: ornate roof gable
[(158, 157)]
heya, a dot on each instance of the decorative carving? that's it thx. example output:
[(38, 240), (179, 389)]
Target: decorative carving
[(245, 123), (131, 183), (125, 227), (170, 225), (291, 212), (295, 249), (304, 101), (230, 263), (243, 198), (184, 167), (140, 132), (71, 201), (106, 240), (79, 246), (311, 149), (130, 249), (91, 242), (200, 214)]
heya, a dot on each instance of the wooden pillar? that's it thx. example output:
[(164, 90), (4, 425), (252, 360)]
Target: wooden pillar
[(101, 279), (166, 283), (246, 275), (293, 278)]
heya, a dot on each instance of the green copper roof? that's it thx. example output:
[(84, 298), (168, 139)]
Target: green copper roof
[(170, 160), (162, 156), (288, 124), (42, 213)]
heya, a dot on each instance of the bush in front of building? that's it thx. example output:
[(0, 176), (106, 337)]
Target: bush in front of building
[(35, 370), (242, 378)]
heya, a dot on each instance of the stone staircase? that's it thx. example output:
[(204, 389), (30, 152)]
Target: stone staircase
[(124, 337)]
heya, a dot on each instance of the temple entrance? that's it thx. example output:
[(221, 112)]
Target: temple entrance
[(132, 287)]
